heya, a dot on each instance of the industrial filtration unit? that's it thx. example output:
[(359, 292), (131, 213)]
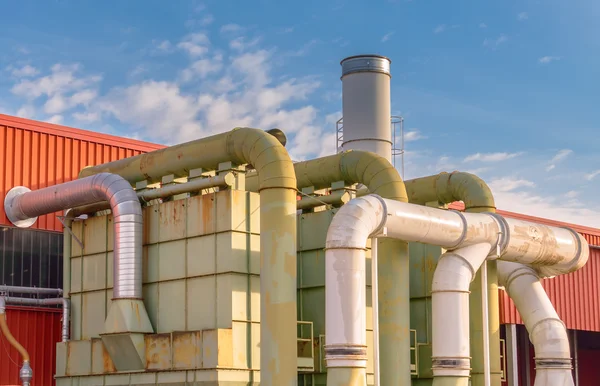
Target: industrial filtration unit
[(221, 262)]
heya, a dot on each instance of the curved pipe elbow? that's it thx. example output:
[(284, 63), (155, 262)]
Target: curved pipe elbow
[(355, 222)]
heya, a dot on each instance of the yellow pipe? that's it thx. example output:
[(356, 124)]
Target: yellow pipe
[(477, 197), (11, 339), (277, 187), (381, 178)]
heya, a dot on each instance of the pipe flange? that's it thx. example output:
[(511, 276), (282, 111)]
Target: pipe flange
[(26, 373), (503, 236), (8, 201)]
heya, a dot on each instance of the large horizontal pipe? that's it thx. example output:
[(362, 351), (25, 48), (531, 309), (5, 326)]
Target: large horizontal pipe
[(220, 181), (46, 302), (30, 290)]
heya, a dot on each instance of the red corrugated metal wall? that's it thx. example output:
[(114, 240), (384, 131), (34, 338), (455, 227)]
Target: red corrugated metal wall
[(36, 155), (38, 330)]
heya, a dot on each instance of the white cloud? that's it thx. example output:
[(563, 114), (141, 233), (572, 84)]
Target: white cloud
[(138, 70), (25, 71), (203, 22), (62, 80), (439, 29), (561, 155), (202, 68), (592, 175), (87, 117), (387, 36), (56, 119), (548, 59), (26, 111), (195, 44), (413, 135), (522, 16), (242, 43), (571, 194), (162, 46), (482, 25), (508, 184), (491, 157), (231, 28), (495, 42)]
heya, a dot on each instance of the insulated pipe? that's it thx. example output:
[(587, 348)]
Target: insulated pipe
[(26, 374), (47, 302), (547, 332), (22, 207), (446, 188), (277, 187), (335, 198), (221, 181), (373, 216), (450, 318), (383, 179)]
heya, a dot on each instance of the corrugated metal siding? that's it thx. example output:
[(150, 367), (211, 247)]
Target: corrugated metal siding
[(575, 296), (38, 330), (37, 155)]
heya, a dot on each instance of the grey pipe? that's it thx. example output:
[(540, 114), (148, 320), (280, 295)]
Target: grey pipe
[(46, 302), (22, 207), (30, 290)]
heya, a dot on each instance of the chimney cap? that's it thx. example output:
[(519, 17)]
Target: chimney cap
[(366, 63)]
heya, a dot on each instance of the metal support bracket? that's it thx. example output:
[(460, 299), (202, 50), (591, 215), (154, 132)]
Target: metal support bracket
[(61, 219)]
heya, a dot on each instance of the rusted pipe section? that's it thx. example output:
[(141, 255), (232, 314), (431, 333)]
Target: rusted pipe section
[(547, 332), (65, 303), (26, 374), (221, 181), (277, 187)]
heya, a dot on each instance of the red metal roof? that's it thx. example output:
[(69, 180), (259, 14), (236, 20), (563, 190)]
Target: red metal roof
[(38, 330), (575, 296), (36, 154)]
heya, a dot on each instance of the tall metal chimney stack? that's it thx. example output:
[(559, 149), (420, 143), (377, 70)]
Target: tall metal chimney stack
[(366, 101)]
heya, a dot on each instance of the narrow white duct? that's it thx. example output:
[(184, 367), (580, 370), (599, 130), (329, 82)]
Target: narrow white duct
[(450, 302), (547, 332), (554, 250)]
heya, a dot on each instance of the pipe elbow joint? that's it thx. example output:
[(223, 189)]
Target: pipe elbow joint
[(367, 214)]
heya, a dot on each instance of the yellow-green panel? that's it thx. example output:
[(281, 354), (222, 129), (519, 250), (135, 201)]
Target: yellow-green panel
[(77, 229), (151, 225), (241, 333), (312, 230), (75, 317), (201, 219), (171, 306), (95, 235), (201, 255), (172, 220), (94, 272), (201, 303), (93, 314), (76, 272), (150, 263), (150, 293), (171, 260), (109, 269)]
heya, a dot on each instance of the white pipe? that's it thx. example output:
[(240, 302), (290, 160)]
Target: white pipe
[(486, 325), (375, 309), (30, 290), (546, 331), (555, 250), (450, 305)]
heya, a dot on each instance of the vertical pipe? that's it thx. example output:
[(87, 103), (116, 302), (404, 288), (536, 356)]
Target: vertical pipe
[(512, 359), (485, 317), (375, 305)]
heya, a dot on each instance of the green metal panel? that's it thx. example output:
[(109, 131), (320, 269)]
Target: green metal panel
[(171, 306), (172, 264), (201, 254), (201, 310), (93, 314), (94, 272)]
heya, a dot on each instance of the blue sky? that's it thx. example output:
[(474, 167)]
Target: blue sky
[(505, 89)]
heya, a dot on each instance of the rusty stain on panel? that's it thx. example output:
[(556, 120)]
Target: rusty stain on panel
[(158, 351), (187, 350)]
